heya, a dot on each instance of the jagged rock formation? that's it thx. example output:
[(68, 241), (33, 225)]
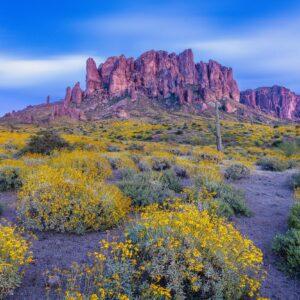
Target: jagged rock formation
[(160, 75), (278, 101), (169, 80)]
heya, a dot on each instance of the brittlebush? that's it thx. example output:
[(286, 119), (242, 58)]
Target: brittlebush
[(88, 162), (66, 200), (181, 253), (14, 254)]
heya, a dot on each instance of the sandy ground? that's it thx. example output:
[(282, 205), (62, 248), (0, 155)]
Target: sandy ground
[(267, 195), (270, 199)]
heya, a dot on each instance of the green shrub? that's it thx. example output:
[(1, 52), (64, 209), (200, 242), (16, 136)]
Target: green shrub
[(44, 142), (113, 148), (295, 181), (137, 147), (272, 164), (9, 178), (225, 193), (287, 246), (289, 148), (170, 180), (180, 172), (160, 164), (236, 172), (294, 217), (144, 188)]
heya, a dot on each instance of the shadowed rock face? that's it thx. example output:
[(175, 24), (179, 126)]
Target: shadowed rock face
[(278, 101)]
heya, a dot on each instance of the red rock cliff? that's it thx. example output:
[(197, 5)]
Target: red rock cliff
[(159, 74), (278, 101)]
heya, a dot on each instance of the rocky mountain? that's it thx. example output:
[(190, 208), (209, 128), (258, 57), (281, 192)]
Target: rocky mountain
[(276, 100), (174, 82)]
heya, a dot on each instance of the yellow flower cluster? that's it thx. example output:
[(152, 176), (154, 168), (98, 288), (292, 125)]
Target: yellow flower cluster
[(14, 254), (90, 163), (67, 200), (177, 253), (209, 236)]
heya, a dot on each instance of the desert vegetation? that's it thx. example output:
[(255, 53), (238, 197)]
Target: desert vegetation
[(161, 192)]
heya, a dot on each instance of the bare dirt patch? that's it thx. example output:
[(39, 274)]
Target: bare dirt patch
[(270, 199)]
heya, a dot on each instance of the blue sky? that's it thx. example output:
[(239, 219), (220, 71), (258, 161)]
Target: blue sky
[(44, 44)]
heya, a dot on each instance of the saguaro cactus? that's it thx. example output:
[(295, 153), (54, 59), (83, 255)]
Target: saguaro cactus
[(218, 128)]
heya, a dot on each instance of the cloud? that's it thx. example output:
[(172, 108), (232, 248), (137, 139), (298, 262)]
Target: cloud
[(25, 72), (144, 25), (269, 52)]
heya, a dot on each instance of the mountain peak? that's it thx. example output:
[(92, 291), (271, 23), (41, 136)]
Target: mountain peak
[(174, 81)]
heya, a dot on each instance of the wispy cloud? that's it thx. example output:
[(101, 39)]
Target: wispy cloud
[(262, 52), (24, 72), (268, 52)]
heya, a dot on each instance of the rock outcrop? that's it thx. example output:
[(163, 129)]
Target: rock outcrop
[(277, 100), (92, 77), (160, 78), (160, 75)]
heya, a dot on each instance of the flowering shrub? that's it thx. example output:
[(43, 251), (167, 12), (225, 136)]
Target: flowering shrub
[(180, 254), (66, 200), (89, 163), (14, 254)]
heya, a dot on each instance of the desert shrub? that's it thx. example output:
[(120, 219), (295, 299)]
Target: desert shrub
[(180, 172), (144, 188), (89, 163), (225, 193), (287, 247), (66, 200), (176, 254), (295, 181), (135, 147), (272, 164), (208, 153), (237, 171), (119, 160), (14, 255), (294, 217), (160, 164), (9, 178), (113, 148), (170, 180), (290, 148), (143, 166), (44, 142)]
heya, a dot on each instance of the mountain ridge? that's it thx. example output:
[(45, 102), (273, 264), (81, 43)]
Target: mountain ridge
[(174, 81)]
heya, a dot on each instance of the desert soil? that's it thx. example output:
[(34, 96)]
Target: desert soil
[(270, 199), (267, 195)]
